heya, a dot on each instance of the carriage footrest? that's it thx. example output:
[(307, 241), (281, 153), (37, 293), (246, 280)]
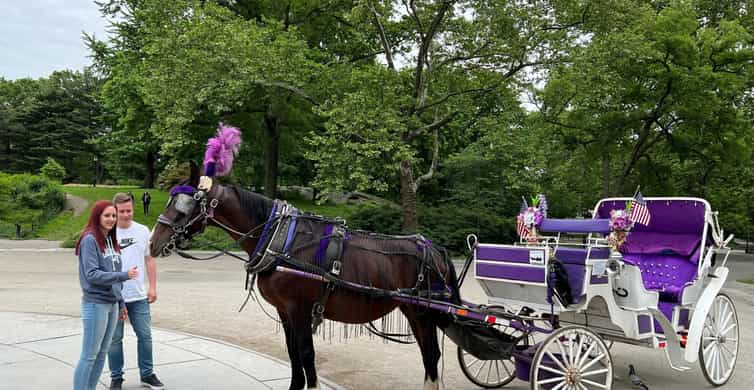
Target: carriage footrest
[(482, 341)]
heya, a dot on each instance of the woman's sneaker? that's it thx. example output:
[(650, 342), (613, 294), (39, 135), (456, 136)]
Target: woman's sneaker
[(152, 382)]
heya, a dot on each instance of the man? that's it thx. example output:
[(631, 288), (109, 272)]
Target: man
[(133, 239), (146, 199)]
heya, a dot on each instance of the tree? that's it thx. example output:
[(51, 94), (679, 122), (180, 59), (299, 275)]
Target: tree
[(53, 170), (444, 66), (658, 88)]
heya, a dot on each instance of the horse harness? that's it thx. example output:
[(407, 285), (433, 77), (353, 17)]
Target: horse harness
[(276, 241)]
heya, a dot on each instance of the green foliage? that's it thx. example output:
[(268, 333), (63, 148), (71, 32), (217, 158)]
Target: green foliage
[(28, 201), (449, 225), (53, 170), (172, 175), (376, 218)]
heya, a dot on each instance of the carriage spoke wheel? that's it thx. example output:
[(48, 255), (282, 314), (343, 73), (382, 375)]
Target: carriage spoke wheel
[(719, 347), (572, 358), (489, 374)]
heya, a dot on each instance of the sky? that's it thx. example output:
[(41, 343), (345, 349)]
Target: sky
[(40, 36)]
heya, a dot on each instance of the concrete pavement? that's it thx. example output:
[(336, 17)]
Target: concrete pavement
[(202, 298), (40, 351)]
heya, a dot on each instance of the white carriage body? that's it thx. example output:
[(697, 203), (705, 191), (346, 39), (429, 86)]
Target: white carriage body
[(656, 291)]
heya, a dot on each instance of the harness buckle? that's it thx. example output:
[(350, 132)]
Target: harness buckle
[(213, 203), (198, 195), (336, 265)]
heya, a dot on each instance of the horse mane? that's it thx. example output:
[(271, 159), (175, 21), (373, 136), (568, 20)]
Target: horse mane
[(254, 205)]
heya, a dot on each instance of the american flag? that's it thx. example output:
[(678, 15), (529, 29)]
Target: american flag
[(639, 211), (521, 229)]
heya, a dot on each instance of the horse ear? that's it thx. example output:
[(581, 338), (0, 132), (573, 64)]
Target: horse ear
[(194, 178)]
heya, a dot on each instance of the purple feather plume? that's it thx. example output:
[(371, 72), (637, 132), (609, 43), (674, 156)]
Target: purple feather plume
[(218, 159)]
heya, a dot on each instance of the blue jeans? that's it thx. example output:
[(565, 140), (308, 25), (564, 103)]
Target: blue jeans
[(141, 321), (99, 323)]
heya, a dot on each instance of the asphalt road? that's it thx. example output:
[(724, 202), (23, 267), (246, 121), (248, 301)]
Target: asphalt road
[(203, 298)]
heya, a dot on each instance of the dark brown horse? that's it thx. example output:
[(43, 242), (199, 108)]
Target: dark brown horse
[(383, 262)]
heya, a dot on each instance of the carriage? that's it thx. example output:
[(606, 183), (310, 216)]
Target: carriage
[(555, 299), (658, 286)]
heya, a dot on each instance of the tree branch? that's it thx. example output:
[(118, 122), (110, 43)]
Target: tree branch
[(436, 125), (383, 37), (287, 87), (433, 165), (421, 58)]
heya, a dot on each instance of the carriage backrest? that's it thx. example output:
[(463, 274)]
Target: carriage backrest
[(677, 226)]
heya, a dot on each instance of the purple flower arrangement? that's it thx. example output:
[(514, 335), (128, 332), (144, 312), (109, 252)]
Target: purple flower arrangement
[(620, 225)]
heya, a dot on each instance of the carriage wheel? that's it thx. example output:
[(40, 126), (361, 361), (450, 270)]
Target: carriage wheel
[(719, 347), (490, 374), (573, 357)]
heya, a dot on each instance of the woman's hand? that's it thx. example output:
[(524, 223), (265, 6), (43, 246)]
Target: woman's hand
[(123, 314), (133, 273)]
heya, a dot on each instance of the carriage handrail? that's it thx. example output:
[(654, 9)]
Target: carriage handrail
[(575, 225)]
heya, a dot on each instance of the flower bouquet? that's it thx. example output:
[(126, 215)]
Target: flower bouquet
[(620, 225)]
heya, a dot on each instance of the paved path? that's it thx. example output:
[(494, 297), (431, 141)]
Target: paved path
[(41, 350), (202, 298)]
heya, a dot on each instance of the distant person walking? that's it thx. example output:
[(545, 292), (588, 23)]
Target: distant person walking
[(100, 278), (146, 199), (138, 296)]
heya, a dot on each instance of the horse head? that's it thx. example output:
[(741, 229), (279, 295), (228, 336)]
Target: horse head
[(185, 216)]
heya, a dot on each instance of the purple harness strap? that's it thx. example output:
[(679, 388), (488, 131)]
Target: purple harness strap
[(291, 231), (266, 231), (323, 243)]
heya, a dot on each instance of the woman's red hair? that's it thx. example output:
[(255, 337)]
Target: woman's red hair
[(94, 227)]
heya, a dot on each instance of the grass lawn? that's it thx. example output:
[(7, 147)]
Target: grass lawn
[(66, 227), (747, 281)]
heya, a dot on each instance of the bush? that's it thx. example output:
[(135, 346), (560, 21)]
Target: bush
[(53, 170), (376, 218), (448, 225), (173, 174), (29, 200)]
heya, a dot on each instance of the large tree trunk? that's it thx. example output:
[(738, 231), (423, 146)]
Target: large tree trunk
[(271, 154), (150, 161), (408, 198)]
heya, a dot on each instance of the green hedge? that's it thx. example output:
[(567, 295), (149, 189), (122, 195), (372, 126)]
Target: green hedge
[(28, 200), (447, 225)]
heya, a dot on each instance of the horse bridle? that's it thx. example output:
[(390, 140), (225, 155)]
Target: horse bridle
[(181, 233)]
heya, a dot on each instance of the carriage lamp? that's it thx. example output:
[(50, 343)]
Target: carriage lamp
[(613, 267)]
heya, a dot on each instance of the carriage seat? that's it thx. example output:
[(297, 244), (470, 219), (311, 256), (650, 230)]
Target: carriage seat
[(668, 262)]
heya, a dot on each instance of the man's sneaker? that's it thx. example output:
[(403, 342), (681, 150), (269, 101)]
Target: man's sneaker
[(152, 382), (116, 384)]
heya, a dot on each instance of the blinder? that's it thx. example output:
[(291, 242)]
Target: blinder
[(186, 204)]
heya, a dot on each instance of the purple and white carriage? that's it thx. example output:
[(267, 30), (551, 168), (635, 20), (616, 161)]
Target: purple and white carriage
[(658, 286)]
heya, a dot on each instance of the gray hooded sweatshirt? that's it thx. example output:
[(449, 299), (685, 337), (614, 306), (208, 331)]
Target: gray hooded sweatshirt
[(100, 273)]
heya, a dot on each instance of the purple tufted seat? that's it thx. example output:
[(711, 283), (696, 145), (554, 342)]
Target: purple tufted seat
[(666, 273)]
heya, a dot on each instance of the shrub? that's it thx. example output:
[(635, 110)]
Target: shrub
[(172, 175), (376, 218), (446, 225), (449, 224), (53, 170), (29, 200)]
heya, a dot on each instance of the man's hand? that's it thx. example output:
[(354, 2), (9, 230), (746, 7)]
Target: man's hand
[(151, 295), (133, 273), (123, 314)]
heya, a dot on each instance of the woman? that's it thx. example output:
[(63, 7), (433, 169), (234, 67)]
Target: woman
[(101, 278)]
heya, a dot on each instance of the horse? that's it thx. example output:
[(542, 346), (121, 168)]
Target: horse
[(410, 264)]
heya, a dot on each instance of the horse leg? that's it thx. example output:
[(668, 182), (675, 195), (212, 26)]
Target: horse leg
[(425, 332), (305, 341), (298, 380)]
